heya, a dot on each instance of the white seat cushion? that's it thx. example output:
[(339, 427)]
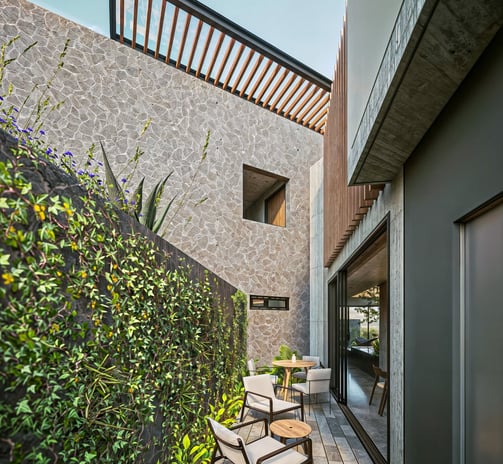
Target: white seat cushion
[(259, 384), (277, 405), (266, 445), (302, 387)]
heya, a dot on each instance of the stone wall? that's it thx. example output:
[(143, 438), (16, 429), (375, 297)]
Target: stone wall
[(110, 90)]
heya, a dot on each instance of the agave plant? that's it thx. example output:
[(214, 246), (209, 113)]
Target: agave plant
[(145, 213)]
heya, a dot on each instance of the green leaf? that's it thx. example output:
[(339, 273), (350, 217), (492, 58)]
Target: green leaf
[(138, 199), (114, 191), (152, 203), (159, 222), (90, 456), (23, 407), (149, 211)]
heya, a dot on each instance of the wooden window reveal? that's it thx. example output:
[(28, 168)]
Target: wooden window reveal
[(275, 207)]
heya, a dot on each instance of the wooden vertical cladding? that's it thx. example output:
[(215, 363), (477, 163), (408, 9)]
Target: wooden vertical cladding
[(121, 21), (172, 34), (193, 50), (205, 51), (216, 52), (159, 29), (271, 78), (242, 72), (260, 78), (228, 51), (343, 206), (233, 66), (184, 39), (257, 64), (246, 66)]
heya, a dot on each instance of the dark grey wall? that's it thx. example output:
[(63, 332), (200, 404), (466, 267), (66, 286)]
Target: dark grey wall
[(457, 166)]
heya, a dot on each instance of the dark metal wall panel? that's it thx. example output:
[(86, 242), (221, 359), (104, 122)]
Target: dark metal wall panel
[(457, 167)]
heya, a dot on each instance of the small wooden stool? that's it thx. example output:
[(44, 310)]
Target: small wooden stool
[(289, 428)]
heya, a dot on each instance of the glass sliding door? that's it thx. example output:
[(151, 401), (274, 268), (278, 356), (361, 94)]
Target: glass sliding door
[(358, 341)]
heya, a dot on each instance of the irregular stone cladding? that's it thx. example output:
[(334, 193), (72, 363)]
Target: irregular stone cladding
[(110, 90)]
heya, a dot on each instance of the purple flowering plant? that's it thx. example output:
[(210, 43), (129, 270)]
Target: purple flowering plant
[(27, 130)]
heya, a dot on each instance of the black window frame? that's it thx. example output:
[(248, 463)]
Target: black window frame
[(263, 302)]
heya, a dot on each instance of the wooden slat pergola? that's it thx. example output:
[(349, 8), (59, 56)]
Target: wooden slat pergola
[(197, 40)]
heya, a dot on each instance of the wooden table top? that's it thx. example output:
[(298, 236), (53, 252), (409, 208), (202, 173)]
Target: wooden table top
[(289, 363), (290, 428)]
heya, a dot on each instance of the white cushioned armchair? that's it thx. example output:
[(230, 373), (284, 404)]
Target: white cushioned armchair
[(264, 449), (260, 395)]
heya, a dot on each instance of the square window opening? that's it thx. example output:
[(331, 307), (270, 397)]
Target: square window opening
[(264, 196)]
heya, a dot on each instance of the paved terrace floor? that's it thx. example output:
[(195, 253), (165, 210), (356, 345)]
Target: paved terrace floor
[(334, 441)]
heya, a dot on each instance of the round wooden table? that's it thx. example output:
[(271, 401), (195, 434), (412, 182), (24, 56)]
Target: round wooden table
[(288, 365), (289, 428)]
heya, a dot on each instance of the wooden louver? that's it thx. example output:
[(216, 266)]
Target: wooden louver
[(201, 42)]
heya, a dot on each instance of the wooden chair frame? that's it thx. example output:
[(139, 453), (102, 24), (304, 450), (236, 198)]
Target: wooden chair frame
[(378, 372), (271, 412), (306, 443)]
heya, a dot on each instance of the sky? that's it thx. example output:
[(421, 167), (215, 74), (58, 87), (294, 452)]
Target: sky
[(308, 30)]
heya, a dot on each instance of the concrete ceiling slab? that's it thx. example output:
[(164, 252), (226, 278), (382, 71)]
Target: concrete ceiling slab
[(448, 39)]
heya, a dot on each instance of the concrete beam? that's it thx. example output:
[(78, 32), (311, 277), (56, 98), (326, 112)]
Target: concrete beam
[(446, 41)]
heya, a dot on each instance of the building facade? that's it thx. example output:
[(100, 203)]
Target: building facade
[(421, 81), (394, 211)]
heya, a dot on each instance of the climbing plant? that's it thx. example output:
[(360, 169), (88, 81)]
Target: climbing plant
[(109, 351), (106, 354)]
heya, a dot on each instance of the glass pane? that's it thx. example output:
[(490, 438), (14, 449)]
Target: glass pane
[(484, 321), (366, 342)]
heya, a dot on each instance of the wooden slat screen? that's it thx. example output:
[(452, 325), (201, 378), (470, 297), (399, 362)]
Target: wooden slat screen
[(343, 206), (232, 60)]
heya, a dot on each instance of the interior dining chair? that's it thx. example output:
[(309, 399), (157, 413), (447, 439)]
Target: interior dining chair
[(261, 396), (231, 446), (253, 370), (378, 375), (302, 374), (317, 382)]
